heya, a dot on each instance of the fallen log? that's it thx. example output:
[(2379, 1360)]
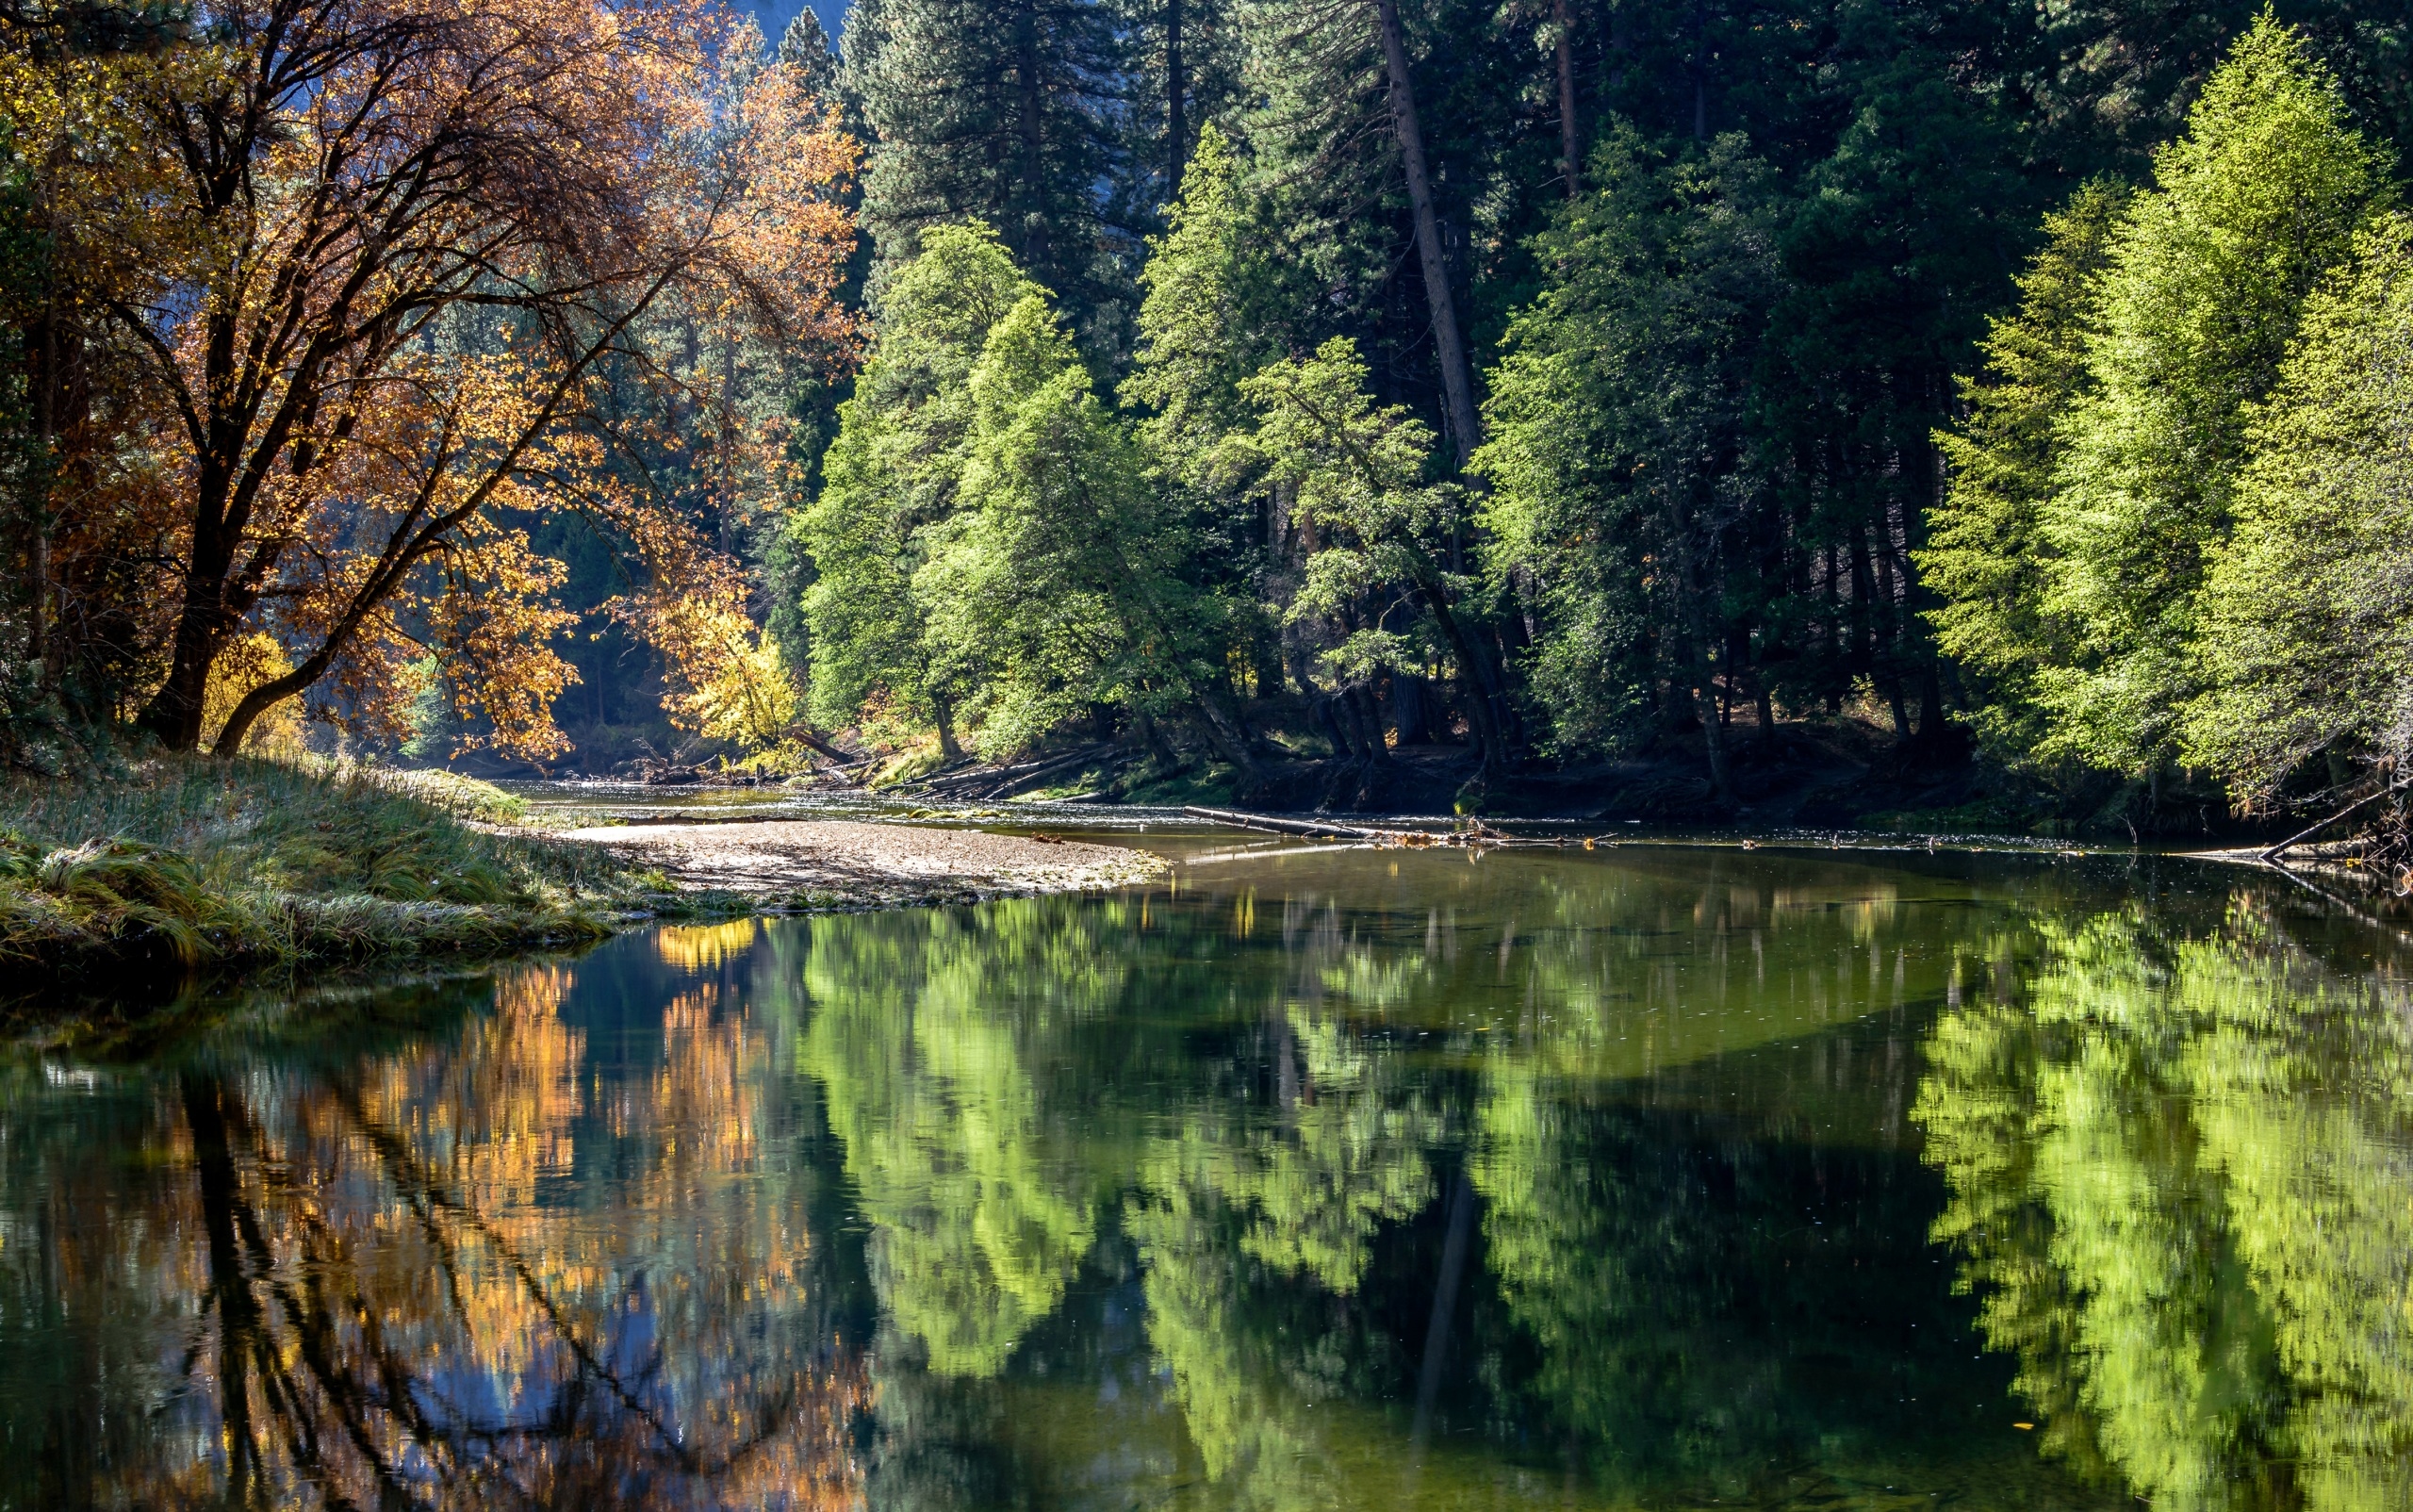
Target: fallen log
[(1013, 785), (1276, 824), (981, 776), (2271, 856)]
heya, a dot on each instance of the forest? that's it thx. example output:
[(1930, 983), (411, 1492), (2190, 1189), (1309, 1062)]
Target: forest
[(1280, 394)]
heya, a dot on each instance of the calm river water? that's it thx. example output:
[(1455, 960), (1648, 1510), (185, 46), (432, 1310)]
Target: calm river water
[(1644, 1178)]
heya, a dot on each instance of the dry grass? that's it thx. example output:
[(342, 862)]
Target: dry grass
[(186, 863)]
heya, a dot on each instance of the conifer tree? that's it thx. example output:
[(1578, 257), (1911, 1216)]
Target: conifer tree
[(2305, 636), (2208, 274), (805, 47), (1005, 111), (1986, 556), (892, 473), (1621, 463)]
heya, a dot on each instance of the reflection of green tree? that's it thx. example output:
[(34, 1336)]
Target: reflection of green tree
[(1545, 1232), (980, 1215), (1609, 1260), (2179, 1177), (1298, 1188)]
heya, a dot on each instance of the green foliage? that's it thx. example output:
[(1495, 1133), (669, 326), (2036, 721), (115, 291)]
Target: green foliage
[(1212, 316), (988, 546), (1002, 113), (1621, 458), (1049, 590), (1378, 536), (2207, 275), (921, 1043), (1987, 555), (2306, 628), (892, 473), (2189, 1229)]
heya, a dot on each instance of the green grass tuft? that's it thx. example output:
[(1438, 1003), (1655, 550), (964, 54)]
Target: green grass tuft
[(185, 864)]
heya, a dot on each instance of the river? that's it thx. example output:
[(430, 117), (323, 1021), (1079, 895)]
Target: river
[(1651, 1176)]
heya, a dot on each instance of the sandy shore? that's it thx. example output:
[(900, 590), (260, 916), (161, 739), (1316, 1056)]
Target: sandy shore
[(847, 864)]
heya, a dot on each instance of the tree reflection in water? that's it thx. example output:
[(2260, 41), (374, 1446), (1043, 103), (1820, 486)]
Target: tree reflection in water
[(1608, 1181), (378, 1305), (2182, 1181)]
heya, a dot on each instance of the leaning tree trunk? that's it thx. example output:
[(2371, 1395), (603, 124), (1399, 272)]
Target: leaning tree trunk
[(1457, 379), (174, 716)]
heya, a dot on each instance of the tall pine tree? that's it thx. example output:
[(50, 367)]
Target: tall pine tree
[(1009, 112)]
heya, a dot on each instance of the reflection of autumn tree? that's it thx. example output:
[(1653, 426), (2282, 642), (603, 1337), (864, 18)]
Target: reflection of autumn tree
[(979, 1213), (386, 1308), (2180, 1182)]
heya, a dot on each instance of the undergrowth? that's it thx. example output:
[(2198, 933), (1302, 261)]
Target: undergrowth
[(193, 863)]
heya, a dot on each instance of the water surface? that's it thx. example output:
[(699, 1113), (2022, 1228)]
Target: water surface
[(1643, 1177)]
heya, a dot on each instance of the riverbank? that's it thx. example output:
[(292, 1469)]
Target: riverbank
[(173, 867), (178, 865), (847, 864)]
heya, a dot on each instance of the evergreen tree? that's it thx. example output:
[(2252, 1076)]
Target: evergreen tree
[(1986, 556), (1898, 244), (805, 47), (1005, 111), (1622, 465), (1051, 589), (1184, 67), (893, 472), (2208, 273), (1356, 473), (2307, 631)]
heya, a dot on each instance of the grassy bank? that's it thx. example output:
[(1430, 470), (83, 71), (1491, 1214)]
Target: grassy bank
[(180, 865)]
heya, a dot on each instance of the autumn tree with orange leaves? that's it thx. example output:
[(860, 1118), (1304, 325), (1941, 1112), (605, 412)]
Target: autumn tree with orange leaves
[(389, 272)]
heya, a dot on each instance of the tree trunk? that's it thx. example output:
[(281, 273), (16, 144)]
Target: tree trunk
[(174, 714), (1407, 708), (1569, 135), (1369, 716), (1176, 101), (1228, 733), (1703, 692), (1457, 379), (1035, 249), (1154, 738), (1701, 70), (1480, 680), (943, 707)]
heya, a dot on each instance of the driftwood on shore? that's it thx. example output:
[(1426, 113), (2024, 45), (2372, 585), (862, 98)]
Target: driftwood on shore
[(2272, 856), (1469, 833)]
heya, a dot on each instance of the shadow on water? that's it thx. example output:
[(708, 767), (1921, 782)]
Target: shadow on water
[(1652, 1177)]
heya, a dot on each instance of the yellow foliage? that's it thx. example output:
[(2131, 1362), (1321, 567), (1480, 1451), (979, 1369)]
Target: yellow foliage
[(702, 947), (247, 662)]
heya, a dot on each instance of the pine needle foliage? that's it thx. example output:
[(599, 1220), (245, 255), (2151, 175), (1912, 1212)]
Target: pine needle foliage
[(2208, 273), (2305, 636)]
